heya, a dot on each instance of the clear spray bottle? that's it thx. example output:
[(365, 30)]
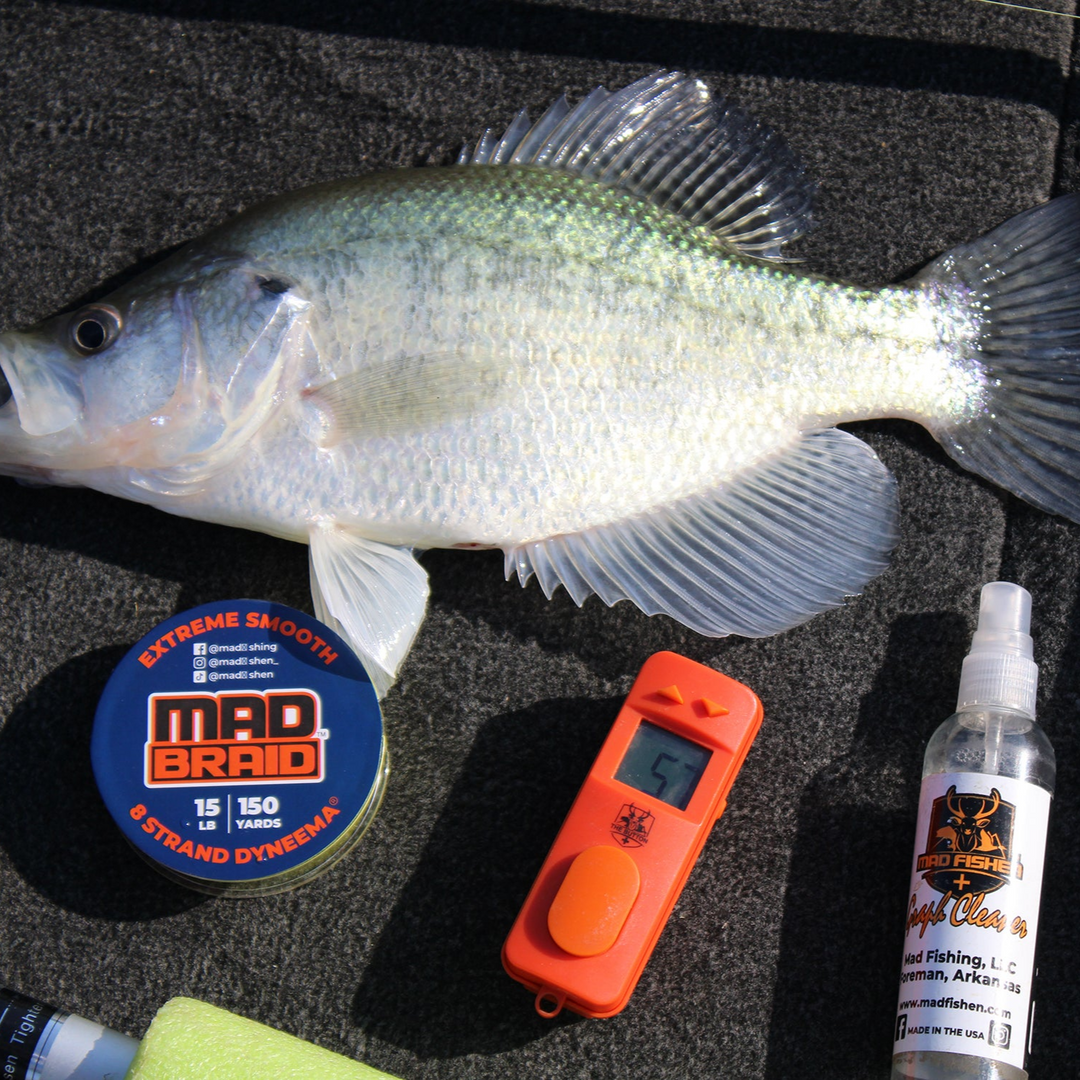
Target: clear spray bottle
[(965, 1004)]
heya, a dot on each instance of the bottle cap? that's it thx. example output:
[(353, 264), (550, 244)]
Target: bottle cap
[(999, 669)]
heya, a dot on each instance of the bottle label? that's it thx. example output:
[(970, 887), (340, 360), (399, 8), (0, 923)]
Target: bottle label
[(26, 1029), (969, 943)]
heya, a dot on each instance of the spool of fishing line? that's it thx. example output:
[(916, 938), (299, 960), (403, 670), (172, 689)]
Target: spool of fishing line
[(239, 747)]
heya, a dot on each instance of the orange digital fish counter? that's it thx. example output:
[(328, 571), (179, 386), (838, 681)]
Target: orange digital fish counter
[(623, 854)]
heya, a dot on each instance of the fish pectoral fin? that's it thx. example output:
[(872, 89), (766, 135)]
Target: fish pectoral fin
[(409, 393), (788, 538), (373, 594)]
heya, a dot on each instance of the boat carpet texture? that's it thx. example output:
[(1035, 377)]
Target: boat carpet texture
[(128, 127)]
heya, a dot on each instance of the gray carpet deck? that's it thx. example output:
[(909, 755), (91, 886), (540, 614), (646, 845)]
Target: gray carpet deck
[(127, 127)]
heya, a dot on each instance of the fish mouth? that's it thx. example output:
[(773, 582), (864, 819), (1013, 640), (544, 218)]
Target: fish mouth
[(40, 407), (11, 436), (46, 387)]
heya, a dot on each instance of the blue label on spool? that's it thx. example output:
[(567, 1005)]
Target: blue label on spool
[(238, 741)]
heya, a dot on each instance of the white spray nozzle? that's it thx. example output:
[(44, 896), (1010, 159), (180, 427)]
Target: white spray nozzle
[(999, 669)]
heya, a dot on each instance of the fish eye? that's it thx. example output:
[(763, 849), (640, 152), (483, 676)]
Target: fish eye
[(272, 286), (95, 328)]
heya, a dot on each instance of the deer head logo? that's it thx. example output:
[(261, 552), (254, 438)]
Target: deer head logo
[(970, 816), (969, 843)]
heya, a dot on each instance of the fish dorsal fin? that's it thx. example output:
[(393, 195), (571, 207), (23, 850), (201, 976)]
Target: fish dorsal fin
[(409, 393), (786, 540), (373, 594), (667, 139)]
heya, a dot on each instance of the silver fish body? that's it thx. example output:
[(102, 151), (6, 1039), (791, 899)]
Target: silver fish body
[(593, 357), (595, 364)]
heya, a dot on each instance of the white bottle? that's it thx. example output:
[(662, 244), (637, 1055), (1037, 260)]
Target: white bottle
[(965, 1004)]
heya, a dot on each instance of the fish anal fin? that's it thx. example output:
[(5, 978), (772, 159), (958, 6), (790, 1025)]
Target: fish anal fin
[(788, 538), (374, 595)]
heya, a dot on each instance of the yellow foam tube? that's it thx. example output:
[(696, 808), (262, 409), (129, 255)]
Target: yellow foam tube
[(190, 1040)]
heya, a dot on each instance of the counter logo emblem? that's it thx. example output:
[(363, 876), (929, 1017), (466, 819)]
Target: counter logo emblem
[(633, 825)]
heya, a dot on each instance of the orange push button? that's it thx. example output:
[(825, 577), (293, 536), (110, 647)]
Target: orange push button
[(593, 901)]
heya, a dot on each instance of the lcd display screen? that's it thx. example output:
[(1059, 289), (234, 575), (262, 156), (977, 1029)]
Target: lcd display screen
[(663, 765)]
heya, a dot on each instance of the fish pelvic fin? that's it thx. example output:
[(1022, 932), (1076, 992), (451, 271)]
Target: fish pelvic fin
[(667, 139), (1022, 281), (374, 595), (790, 537)]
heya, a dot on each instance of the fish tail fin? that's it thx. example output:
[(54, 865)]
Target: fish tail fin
[(1022, 282)]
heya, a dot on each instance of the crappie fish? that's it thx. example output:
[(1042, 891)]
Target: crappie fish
[(581, 345)]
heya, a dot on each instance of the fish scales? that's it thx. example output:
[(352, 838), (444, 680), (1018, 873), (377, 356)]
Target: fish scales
[(581, 345), (665, 359)]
